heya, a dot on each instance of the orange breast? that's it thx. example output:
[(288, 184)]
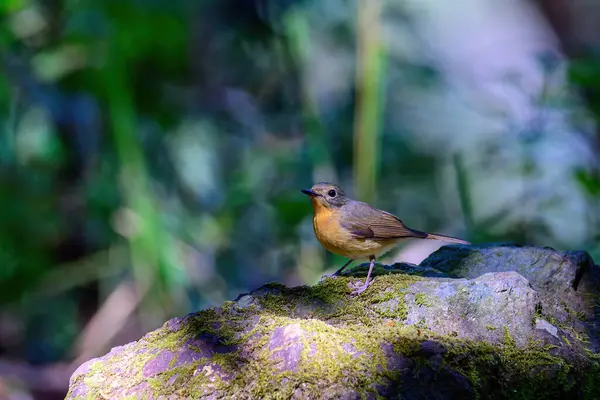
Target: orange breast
[(332, 236)]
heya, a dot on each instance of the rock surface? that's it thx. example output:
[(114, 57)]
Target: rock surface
[(471, 322)]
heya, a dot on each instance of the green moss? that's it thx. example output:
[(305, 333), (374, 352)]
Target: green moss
[(182, 374), (274, 286), (591, 355), (327, 335), (421, 324), (591, 383), (490, 328), (389, 300), (389, 304), (333, 362), (460, 297), (572, 313), (422, 300), (408, 340), (95, 368), (531, 372), (580, 336), (276, 303), (283, 300), (508, 340)]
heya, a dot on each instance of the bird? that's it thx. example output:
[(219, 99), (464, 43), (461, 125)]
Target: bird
[(357, 230)]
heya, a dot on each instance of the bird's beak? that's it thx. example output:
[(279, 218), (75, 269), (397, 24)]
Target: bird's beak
[(309, 192)]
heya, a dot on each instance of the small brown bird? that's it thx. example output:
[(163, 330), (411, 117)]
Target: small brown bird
[(356, 230)]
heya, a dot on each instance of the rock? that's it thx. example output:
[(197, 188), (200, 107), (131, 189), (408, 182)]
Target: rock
[(477, 309), (568, 284), (286, 344), (419, 332), (548, 327)]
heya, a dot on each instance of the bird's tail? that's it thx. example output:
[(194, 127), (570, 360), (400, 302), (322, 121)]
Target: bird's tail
[(445, 238)]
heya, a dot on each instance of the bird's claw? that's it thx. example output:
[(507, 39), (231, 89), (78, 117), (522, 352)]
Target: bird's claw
[(325, 276), (358, 288)]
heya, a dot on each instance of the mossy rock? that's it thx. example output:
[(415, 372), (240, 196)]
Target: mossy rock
[(407, 336), (568, 284)]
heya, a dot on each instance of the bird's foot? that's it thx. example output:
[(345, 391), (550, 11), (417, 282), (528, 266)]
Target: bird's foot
[(358, 288)]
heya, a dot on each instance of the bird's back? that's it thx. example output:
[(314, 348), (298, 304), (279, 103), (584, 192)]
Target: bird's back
[(367, 221), (332, 231)]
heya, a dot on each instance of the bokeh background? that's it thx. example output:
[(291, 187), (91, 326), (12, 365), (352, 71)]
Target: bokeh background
[(152, 151)]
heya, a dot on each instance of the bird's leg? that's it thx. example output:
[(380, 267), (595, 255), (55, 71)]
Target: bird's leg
[(368, 281), (339, 271)]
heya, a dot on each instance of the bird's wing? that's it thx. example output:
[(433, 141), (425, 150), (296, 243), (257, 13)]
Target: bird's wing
[(365, 221)]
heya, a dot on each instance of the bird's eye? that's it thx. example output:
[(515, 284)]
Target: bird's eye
[(332, 193)]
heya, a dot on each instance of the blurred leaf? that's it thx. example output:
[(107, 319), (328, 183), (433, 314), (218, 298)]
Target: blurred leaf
[(292, 208), (370, 88), (462, 181), (588, 181), (585, 72), (7, 6)]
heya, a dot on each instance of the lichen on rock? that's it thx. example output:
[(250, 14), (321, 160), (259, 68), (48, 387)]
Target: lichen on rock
[(417, 332)]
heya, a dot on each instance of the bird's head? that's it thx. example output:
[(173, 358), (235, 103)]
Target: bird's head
[(327, 195)]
